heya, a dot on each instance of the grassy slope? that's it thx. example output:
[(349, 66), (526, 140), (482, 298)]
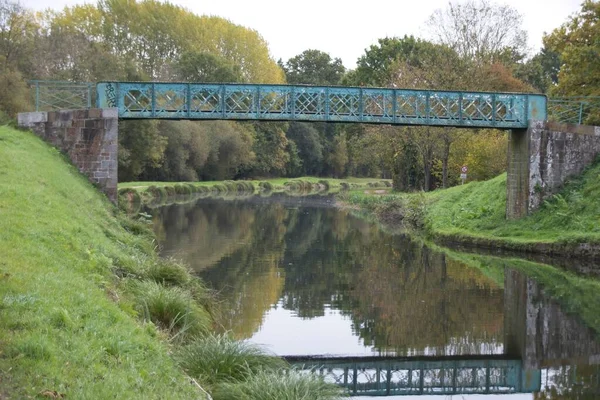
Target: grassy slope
[(477, 210), (59, 330)]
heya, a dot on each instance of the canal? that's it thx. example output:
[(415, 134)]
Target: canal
[(379, 313)]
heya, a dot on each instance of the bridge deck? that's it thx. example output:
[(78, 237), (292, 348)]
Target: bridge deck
[(157, 100)]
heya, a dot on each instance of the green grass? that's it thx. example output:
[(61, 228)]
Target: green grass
[(267, 385), (65, 323), (476, 211), (217, 358), (87, 309)]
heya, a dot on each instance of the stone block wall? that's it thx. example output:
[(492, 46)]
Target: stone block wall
[(89, 137), (542, 158), (558, 152)]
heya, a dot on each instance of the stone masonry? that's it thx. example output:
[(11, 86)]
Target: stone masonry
[(542, 158), (88, 137), (558, 152)]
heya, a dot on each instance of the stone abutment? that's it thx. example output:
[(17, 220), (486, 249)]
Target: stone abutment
[(88, 137)]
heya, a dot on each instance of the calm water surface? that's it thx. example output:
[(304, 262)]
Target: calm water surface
[(304, 279)]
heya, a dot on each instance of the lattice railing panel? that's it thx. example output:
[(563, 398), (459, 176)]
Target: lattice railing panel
[(54, 95), (318, 103)]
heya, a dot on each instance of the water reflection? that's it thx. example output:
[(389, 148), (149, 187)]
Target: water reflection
[(307, 279), (278, 266)]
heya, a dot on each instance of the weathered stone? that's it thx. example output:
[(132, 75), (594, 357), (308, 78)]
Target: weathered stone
[(29, 119), (87, 137), (569, 149), (110, 113)]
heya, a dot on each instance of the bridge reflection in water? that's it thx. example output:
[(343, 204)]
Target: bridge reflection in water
[(424, 376), (545, 350)]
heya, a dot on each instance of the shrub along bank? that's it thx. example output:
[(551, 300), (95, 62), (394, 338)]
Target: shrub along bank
[(567, 223), (87, 308), (133, 194)]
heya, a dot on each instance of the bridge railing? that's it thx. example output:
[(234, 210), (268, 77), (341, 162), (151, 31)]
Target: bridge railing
[(62, 95), (572, 110), (158, 100)]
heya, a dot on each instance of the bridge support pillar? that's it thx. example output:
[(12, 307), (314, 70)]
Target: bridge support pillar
[(89, 137), (517, 180)]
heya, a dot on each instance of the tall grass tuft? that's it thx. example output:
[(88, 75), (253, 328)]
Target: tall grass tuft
[(169, 273), (216, 358), (270, 385), (171, 308)]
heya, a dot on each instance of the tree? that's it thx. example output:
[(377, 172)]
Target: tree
[(375, 67), (308, 144), (578, 43), (207, 67), (18, 32), (541, 71), (14, 96), (140, 147), (480, 30), (313, 67), (270, 147)]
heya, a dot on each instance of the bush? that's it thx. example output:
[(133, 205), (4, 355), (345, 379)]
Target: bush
[(324, 183), (170, 190), (170, 308), (298, 186), (219, 188), (230, 186), (158, 193), (386, 184), (182, 189), (244, 186), (216, 358), (265, 186), (269, 385), (344, 185)]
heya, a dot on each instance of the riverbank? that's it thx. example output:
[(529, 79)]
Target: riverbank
[(568, 224), (88, 309), (132, 195)]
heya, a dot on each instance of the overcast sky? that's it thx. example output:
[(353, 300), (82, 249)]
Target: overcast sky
[(345, 28)]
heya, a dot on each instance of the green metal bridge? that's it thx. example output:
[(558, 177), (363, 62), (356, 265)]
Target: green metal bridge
[(368, 376), (224, 101), (158, 100)]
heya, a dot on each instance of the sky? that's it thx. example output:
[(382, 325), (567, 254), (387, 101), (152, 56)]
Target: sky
[(345, 28)]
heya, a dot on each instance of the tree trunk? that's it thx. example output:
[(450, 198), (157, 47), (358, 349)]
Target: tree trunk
[(445, 157)]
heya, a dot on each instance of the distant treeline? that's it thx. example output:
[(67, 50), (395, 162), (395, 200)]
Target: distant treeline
[(469, 49)]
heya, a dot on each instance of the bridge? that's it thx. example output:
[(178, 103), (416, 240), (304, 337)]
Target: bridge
[(541, 155), (195, 101), (368, 376)]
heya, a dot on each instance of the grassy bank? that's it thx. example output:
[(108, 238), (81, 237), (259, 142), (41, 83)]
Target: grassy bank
[(87, 309), (475, 212), (161, 192)]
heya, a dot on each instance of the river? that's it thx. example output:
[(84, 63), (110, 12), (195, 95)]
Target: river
[(380, 313)]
